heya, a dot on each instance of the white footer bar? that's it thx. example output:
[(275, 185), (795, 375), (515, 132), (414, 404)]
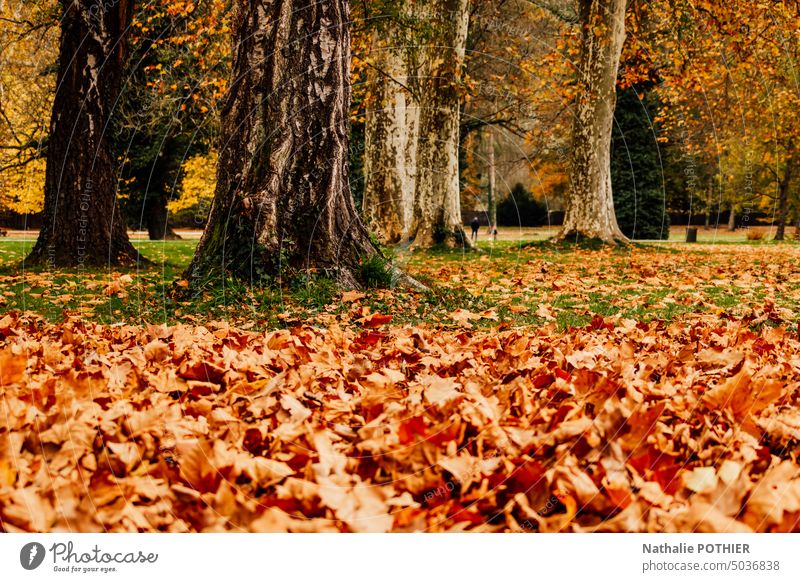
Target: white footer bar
[(406, 557)]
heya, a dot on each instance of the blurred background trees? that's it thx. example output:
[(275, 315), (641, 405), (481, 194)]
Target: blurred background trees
[(704, 130)]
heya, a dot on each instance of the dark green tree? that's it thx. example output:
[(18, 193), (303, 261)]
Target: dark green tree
[(637, 166), (520, 208)]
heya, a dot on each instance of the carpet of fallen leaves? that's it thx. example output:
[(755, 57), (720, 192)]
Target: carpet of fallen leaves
[(621, 424)]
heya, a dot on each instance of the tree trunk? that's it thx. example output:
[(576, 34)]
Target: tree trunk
[(82, 224), (389, 147), (590, 205), (437, 200), (283, 205), (156, 217), (491, 189), (783, 202), (732, 219)]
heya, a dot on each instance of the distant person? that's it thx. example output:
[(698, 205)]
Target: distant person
[(476, 224)]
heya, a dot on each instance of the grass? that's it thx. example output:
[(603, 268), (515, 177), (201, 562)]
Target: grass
[(506, 283)]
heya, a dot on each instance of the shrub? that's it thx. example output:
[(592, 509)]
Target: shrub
[(520, 208)]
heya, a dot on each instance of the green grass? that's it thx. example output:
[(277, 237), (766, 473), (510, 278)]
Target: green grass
[(506, 281)]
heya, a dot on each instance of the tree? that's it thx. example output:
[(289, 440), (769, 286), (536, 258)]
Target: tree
[(520, 208), (175, 76), (636, 166), (590, 204), (390, 140), (282, 204), (436, 217), (82, 224), (28, 50)]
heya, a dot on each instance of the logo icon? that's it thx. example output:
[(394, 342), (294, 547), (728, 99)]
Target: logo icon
[(31, 555)]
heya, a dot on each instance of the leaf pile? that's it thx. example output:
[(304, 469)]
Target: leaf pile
[(692, 425)]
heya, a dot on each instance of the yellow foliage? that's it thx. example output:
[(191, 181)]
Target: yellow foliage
[(22, 189), (197, 185)]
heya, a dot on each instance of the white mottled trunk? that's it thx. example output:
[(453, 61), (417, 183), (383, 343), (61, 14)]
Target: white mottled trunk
[(491, 194), (590, 206), (390, 147), (437, 201)]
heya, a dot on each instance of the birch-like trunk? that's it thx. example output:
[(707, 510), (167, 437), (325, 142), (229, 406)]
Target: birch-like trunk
[(590, 205), (437, 199), (390, 146), (491, 193), (283, 204), (82, 224)]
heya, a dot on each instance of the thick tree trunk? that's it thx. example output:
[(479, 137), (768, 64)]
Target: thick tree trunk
[(491, 187), (390, 147), (437, 200), (82, 224), (590, 206), (783, 202), (283, 204), (732, 219), (156, 217)]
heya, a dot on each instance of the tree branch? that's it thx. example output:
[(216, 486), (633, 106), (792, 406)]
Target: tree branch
[(564, 14)]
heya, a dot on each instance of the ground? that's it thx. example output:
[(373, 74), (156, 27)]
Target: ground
[(531, 388)]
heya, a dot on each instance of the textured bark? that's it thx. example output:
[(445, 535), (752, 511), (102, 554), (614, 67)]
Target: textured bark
[(590, 205), (437, 199), (783, 201), (390, 146), (82, 224), (282, 203)]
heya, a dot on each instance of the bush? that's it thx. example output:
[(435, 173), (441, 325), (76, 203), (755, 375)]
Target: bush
[(754, 234), (520, 208)]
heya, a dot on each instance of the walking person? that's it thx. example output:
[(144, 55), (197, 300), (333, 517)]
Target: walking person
[(476, 224)]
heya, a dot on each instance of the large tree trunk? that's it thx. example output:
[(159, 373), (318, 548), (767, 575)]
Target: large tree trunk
[(390, 146), (783, 201), (282, 203), (82, 224), (437, 200), (590, 206), (156, 217)]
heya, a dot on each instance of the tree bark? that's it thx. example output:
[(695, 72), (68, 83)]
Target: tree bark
[(590, 205), (783, 201), (437, 200), (157, 217), (389, 147), (491, 187), (732, 219), (283, 205), (82, 224)]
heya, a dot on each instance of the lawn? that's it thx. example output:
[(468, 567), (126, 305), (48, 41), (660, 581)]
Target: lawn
[(516, 283)]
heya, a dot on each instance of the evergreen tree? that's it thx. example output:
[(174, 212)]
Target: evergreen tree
[(636, 167)]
